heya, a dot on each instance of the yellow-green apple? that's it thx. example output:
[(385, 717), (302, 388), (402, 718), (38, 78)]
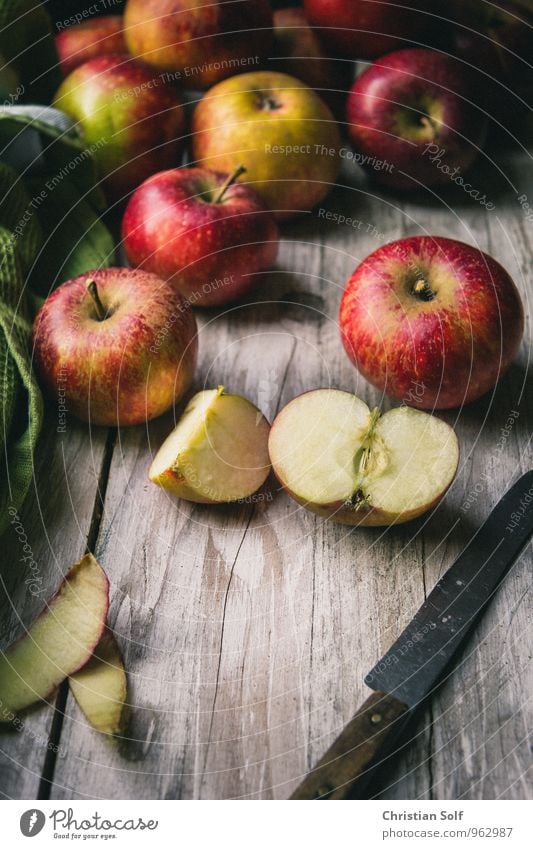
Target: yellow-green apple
[(218, 451), (96, 37), (118, 345), (200, 41), (341, 460), (284, 130), (100, 687), (131, 120), (298, 51), (364, 29), (60, 641), (431, 321), (412, 109), (202, 231)]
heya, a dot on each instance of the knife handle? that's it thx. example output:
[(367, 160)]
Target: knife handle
[(352, 753)]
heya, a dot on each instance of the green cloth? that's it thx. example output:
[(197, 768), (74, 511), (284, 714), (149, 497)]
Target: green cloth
[(21, 407), (50, 227)]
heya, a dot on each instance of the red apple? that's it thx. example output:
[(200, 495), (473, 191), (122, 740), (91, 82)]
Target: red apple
[(201, 42), (130, 118), (289, 135), (411, 109), (431, 321), (97, 37), (115, 346), (299, 52), (199, 229), (364, 29)]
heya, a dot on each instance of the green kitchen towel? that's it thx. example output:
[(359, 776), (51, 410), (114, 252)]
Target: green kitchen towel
[(20, 399), (29, 68)]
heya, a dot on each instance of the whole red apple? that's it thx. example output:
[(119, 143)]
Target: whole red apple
[(412, 110), (364, 29), (199, 229), (130, 118), (298, 51), (115, 346), (290, 137), (431, 321), (201, 42), (97, 37)]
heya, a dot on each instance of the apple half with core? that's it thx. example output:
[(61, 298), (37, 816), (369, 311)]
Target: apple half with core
[(118, 345), (218, 451), (344, 462), (413, 109), (60, 641), (431, 321), (130, 118), (207, 234), (286, 132)]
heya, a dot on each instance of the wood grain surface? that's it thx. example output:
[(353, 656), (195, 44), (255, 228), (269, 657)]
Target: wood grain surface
[(247, 629)]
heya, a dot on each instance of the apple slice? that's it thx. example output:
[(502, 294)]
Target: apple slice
[(100, 686), (60, 641), (218, 451), (358, 467)]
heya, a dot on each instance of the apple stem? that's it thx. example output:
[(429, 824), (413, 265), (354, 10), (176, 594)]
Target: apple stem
[(424, 291), (428, 123), (92, 288), (229, 182)]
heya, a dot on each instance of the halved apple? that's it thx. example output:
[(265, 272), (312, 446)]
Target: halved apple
[(100, 686), (60, 641), (218, 451), (338, 458)]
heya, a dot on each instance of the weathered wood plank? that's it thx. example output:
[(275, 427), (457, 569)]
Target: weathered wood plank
[(54, 523)]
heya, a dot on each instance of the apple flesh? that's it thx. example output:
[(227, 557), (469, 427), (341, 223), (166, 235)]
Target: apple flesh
[(202, 231), (100, 687), (60, 641), (431, 321), (118, 345), (130, 118), (98, 37), (201, 42), (344, 462), (408, 106), (217, 452), (290, 137)]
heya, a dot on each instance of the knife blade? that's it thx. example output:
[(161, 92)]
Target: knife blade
[(413, 666)]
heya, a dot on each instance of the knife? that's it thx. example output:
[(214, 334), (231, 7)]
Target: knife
[(413, 666)]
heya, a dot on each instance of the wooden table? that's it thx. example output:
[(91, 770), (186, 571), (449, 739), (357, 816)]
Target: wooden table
[(246, 630)]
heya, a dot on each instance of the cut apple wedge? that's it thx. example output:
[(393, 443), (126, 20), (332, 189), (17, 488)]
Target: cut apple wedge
[(60, 641), (100, 686), (218, 451), (341, 460)]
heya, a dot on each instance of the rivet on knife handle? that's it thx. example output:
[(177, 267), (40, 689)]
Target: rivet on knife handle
[(354, 750)]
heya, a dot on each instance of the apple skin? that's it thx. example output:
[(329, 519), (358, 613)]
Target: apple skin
[(171, 229), (130, 367), (299, 52), (98, 37), (264, 113), (365, 29), (431, 354), (384, 118), (202, 41), (130, 119)]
